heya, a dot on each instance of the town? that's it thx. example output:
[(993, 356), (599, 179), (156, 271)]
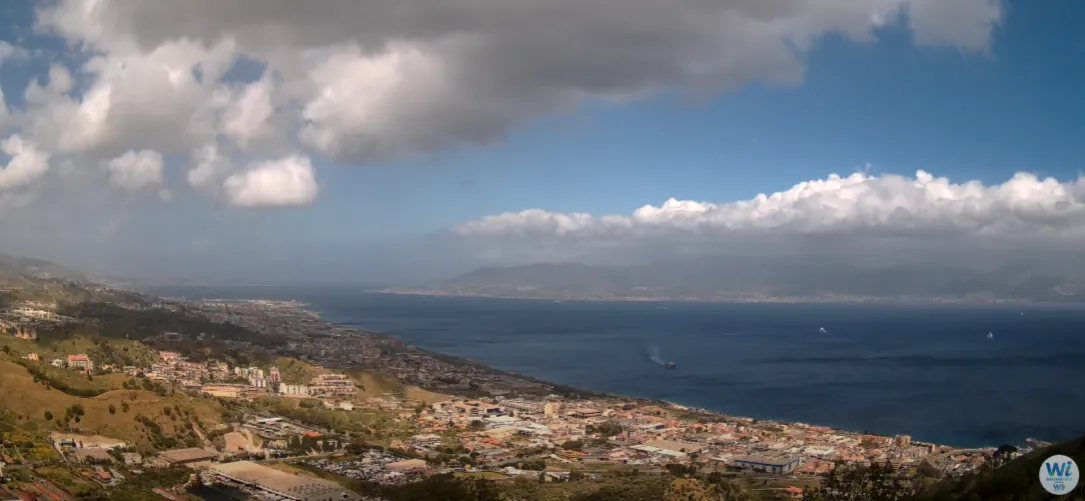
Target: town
[(465, 419)]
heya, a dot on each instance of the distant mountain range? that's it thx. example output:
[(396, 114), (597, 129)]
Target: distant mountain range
[(15, 266), (701, 279)]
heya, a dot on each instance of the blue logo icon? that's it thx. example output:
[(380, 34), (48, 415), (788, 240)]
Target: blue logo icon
[(1058, 475)]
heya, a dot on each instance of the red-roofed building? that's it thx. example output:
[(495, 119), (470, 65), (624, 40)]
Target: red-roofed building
[(80, 361)]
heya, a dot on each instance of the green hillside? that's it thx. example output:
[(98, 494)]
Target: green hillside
[(1017, 481), (150, 420)]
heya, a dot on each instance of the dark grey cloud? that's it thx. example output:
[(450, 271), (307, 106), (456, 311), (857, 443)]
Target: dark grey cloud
[(373, 79)]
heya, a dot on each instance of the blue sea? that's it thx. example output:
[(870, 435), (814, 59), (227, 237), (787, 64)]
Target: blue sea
[(927, 371)]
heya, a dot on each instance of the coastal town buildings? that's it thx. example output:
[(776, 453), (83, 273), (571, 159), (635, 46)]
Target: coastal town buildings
[(504, 420)]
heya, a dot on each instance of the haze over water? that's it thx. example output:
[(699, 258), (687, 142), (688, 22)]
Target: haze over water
[(930, 372)]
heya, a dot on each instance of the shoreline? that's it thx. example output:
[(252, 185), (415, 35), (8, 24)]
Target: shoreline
[(355, 328), (668, 403), (895, 302)]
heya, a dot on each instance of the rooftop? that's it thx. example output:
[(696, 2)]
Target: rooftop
[(766, 460), (275, 480), (186, 455)]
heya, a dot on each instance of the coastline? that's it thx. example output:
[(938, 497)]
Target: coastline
[(360, 332), (674, 405), (898, 302)]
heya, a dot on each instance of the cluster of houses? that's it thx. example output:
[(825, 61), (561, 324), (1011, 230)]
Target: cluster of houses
[(219, 379), (24, 320), (567, 435), (80, 362)]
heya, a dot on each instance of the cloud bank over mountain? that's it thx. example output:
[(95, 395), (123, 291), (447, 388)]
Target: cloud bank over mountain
[(863, 216)]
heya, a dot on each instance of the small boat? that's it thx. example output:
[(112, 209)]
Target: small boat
[(990, 335), (670, 365)]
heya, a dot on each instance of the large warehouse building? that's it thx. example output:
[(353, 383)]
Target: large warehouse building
[(294, 487)]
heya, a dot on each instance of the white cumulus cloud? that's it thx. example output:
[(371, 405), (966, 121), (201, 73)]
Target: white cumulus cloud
[(27, 163), (925, 208), (287, 181), (208, 167), (366, 81), (135, 170), (250, 114)]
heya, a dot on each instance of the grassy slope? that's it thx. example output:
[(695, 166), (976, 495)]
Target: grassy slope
[(371, 384), (101, 350), (295, 371), (27, 401), (377, 385)]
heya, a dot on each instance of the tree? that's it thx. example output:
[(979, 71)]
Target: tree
[(680, 470), (442, 488), (112, 409), (573, 445), (878, 482), (1003, 455), (606, 429), (48, 416), (124, 406), (928, 470)]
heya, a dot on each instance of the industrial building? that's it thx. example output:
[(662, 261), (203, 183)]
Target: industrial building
[(675, 445), (767, 464), (184, 457), (282, 484)]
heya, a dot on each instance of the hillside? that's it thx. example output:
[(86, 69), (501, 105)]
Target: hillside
[(12, 266), (136, 416), (82, 339), (1017, 480)]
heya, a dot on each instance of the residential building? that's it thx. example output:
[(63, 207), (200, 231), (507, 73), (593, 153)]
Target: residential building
[(294, 390), (333, 384), (80, 361)]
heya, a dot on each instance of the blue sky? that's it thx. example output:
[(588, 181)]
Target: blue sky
[(889, 104), (342, 142)]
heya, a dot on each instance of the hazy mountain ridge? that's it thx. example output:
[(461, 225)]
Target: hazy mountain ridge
[(698, 279), (11, 266)]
